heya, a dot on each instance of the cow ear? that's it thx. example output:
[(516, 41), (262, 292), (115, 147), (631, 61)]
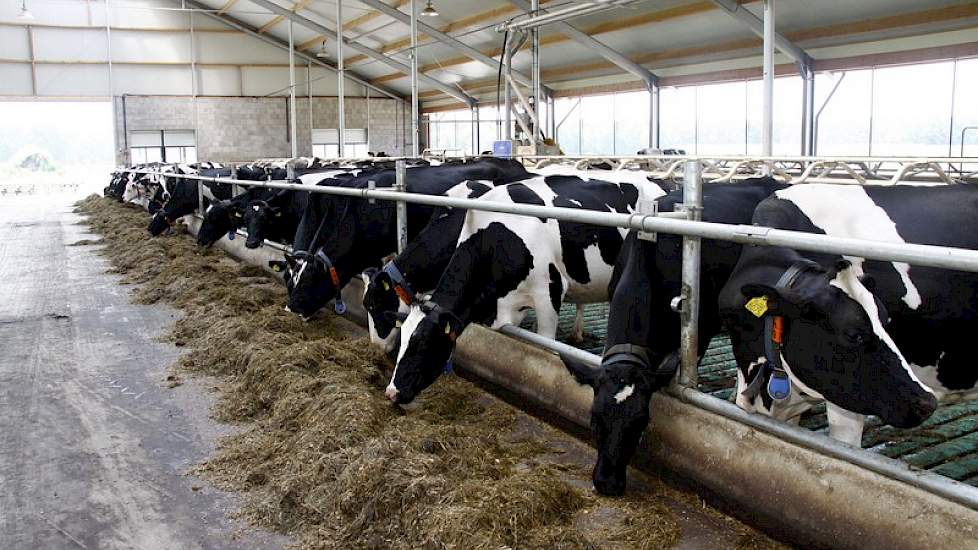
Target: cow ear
[(277, 266), (585, 374), (290, 259), (763, 299)]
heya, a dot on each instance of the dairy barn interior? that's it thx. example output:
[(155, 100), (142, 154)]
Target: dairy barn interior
[(461, 274)]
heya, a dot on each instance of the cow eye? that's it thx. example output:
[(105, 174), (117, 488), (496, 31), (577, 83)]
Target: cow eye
[(855, 338)]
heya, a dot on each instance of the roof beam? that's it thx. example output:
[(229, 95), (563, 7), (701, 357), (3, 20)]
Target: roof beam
[(301, 4), (639, 20), (350, 25), (227, 5), (894, 26), (390, 62), (281, 44), (600, 48), (756, 25), (436, 34)]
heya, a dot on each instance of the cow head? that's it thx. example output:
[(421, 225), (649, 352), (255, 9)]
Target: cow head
[(258, 215), (314, 282), (380, 297), (623, 386), (428, 337), (159, 223), (381, 311), (220, 218), (835, 345)]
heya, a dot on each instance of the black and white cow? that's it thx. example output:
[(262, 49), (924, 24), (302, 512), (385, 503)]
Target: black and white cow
[(182, 195), (868, 337), (643, 333), (339, 237), (418, 268), (505, 264), (276, 216)]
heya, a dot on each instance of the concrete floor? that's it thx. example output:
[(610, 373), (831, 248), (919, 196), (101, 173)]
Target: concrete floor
[(93, 445)]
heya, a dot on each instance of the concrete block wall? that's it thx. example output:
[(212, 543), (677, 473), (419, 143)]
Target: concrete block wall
[(246, 128)]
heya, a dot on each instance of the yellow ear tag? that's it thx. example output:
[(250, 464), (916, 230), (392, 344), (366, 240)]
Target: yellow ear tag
[(276, 268), (448, 328), (387, 286), (757, 306)]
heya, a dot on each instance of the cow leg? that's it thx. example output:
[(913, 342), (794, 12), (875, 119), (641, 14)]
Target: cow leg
[(546, 321), (577, 334), (845, 426)]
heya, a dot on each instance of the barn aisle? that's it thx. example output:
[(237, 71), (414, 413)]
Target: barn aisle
[(93, 445)]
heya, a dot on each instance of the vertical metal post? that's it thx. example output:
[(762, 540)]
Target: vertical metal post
[(507, 100), (295, 146), (807, 110), (535, 35), (415, 110), (108, 55), (689, 339), (767, 126), (552, 118), (309, 93), (367, 98), (340, 95), (400, 185), (193, 81), (474, 110), (654, 116)]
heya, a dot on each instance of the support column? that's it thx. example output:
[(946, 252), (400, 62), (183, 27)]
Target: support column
[(767, 125), (415, 108), (690, 303), (807, 110), (535, 45), (654, 118), (292, 134), (340, 95)]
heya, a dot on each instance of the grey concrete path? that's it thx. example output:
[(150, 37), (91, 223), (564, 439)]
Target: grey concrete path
[(93, 445)]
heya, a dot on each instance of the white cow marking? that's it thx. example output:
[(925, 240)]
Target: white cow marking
[(847, 282), (255, 207), (625, 393), (821, 203), (407, 331)]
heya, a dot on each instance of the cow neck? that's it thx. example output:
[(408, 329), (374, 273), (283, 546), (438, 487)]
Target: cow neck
[(426, 256), (772, 374), (632, 299)]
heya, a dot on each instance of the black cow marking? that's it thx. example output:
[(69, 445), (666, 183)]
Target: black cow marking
[(556, 287)]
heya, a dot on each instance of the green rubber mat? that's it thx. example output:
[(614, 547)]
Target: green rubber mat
[(946, 444)]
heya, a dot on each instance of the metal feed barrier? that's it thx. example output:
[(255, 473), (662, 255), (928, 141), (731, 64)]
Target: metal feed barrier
[(687, 224)]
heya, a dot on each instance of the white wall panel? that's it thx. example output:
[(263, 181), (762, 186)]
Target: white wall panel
[(48, 13), (15, 79), (222, 81), (163, 47), (238, 48), (259, 81), (73, 80), (151, 80), (69, 44), (14, 42), (324, 84), (133, 13)]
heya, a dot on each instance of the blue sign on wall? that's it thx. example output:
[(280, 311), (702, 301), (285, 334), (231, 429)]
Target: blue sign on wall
[(502, 148)]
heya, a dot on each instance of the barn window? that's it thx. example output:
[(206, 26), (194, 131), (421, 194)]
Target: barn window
[(326, 142), (162, 146)]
